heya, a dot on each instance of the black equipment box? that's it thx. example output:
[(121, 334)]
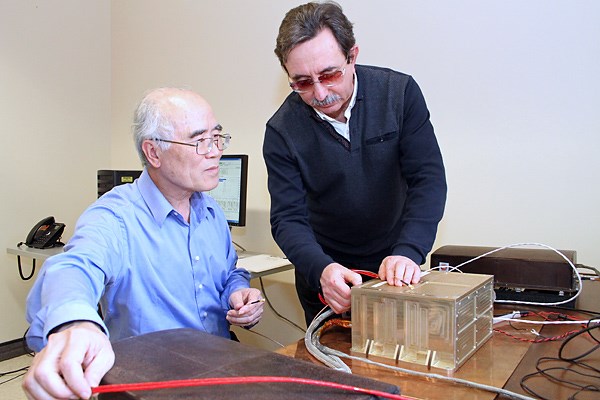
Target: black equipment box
[(109, 178), (522, 274)]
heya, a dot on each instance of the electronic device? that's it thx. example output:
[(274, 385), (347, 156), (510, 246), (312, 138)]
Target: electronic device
[(108, 178), (521, 274), (45, 234), (439, 322), (231, 192)]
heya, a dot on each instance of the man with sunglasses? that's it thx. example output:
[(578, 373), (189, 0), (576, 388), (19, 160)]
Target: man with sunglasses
[(355, 173), (156, 254)]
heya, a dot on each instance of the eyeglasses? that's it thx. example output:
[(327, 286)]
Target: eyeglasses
[(329, 79), (205, 145)]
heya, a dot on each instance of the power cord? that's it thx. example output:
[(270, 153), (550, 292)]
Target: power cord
[(20, 371), (332, 358), (23, 277), (564, 365), (262, 288), (576, 272), (581, 266), (238, 245), (265, 337), (264, 292), (26, 278), (26, 349)]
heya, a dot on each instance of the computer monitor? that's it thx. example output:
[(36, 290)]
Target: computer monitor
[(231, 191)]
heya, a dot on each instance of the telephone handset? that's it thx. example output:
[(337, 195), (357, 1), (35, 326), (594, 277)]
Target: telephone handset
[(45, 234)]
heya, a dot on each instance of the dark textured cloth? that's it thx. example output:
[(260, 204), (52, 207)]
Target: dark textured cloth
[(191, 354), (355, 202)]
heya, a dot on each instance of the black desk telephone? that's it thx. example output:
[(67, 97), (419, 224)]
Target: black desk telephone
[(45, 234)]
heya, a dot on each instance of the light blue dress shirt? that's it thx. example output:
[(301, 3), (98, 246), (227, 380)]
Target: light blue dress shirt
[(147, 266)]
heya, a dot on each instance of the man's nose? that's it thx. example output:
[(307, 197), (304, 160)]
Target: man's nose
[(320, 91)]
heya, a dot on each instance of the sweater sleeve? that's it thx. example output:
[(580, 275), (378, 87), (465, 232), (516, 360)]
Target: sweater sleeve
[(289, 214)]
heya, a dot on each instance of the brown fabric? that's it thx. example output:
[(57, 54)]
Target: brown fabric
[(187, 353)]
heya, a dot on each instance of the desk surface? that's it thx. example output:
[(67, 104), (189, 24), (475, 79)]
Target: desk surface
[(262, 264), (501, 362), (256, 263), (31, 252)]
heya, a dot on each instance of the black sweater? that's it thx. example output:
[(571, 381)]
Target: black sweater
[(382, 193)]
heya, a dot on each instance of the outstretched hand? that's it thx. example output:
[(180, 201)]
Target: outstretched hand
[(74, 360)]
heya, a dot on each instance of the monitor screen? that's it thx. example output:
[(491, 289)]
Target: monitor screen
[(230, 193)]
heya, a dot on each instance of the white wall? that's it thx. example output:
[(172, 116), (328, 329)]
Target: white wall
[(55, 116), (512, 87), (223, 50)]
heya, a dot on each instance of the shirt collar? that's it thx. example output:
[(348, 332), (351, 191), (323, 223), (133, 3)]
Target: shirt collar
[(348, 111), (158, 205)]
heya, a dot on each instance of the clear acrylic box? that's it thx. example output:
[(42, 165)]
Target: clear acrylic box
[(440, 322)]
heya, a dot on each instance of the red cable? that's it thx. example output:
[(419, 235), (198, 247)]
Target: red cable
[(240, 380), (549, 339), (547, 316), (366, 273), (322, 299)]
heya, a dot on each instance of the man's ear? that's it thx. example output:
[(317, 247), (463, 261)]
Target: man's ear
[(353, 54), (152, 152)]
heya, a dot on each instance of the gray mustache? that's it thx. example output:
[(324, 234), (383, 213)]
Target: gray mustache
[(326, 101)]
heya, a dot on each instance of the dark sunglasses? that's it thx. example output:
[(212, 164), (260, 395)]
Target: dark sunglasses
[(329, 79)]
